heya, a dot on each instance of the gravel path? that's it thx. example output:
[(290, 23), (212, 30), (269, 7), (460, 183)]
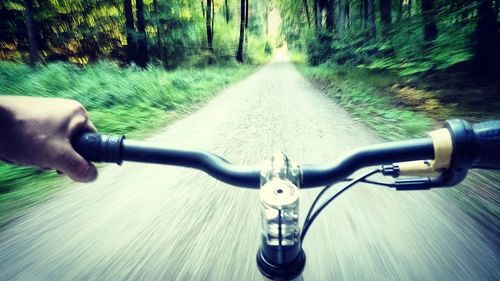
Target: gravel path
[(151, 222)]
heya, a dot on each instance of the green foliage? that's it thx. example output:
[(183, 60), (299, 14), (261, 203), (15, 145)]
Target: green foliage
[(403, 50), (127, 101), (81, 31), (268, 49), (318, 48)]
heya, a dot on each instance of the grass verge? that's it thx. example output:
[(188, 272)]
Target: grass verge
[(399, 109), (127, 101)]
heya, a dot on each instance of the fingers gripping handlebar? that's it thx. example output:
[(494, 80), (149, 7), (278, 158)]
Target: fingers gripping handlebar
[(472, 147)]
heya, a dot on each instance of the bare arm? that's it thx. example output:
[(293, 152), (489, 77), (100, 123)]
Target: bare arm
[(37, 131)]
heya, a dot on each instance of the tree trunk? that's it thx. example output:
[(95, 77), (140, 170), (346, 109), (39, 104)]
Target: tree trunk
[(246, 27), (158, 39), (400, 9), (246, 14), (347, 11), (142, 46), (316, 20), (365, 13), (410, 6), (485, 56), (343, 7), (131, 48), (208, 23), (306, 8), (361, 16), (428, 13), (342, 19), (239, 53), (30, 26), (227, 11), (159, 45), (202, 8), (213, 17), (330, 15), (372, 31), (385, 16)]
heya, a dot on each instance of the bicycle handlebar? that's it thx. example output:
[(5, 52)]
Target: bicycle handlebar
[(115, 149), (488, 138), (473, 147)]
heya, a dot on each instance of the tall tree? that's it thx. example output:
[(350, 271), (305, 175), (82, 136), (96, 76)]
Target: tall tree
[(159, 26), (385, 16), (226, 11), (210, 33), (344, 15), (32, 39), (306, 9), (142, 40), (486, 32), (131, 48), (365, 13), (239, 52), (429, 18), (246, 14), (316, 11), (330, 15), (246, 26), (372, 31), (400, 9)]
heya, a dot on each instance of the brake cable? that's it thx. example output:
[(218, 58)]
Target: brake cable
[(386, 184), (312, 216)]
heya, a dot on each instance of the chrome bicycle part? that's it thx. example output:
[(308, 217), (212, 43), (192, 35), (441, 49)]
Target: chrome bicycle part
[(280, 256)]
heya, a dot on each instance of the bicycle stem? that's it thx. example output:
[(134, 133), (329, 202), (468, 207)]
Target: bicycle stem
[(280, 256)]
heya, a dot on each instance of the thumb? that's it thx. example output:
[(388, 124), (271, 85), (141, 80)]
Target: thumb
[(75, 166)]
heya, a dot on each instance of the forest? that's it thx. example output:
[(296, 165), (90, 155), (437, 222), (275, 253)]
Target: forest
[(170, 33), (405, 36)]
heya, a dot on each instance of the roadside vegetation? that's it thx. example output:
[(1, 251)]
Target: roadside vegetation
[(398, 112), (127, 101), (403, 67)]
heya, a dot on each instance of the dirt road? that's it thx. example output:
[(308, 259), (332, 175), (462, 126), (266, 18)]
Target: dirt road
[(150, 222)]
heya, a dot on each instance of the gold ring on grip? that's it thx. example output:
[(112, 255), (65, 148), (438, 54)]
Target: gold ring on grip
[(443, 148)]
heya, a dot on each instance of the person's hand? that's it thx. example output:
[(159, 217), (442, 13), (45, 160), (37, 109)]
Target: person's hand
[(38, 131)]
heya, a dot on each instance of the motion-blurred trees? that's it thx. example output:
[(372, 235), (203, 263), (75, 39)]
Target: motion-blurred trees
[(130, 30), (429, 21), (486, 31), (210, 29), (405, 36), (30, 26), (169, 32), (239, 52)]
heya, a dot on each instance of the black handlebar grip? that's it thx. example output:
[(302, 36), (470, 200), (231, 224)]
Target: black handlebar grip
[(99, 148), (488, 141)]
